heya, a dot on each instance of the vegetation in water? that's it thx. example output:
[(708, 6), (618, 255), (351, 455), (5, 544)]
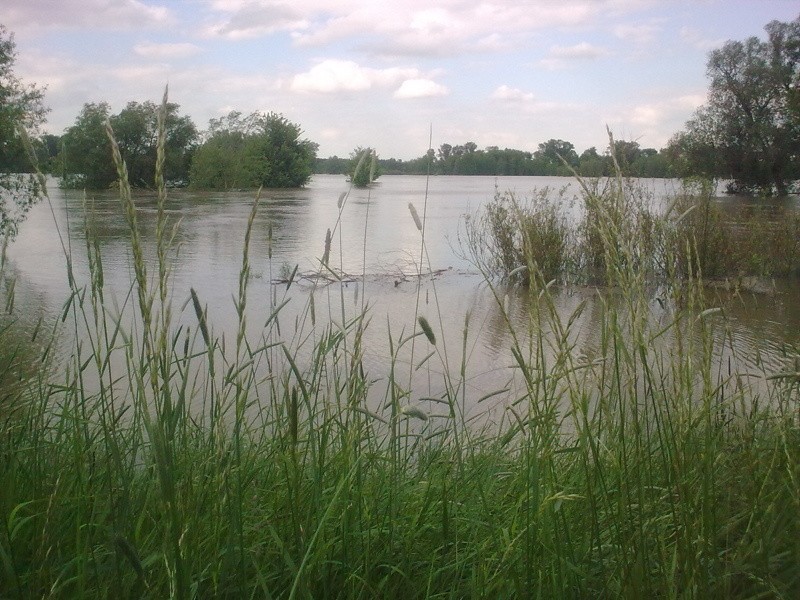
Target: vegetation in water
[(364, 167), (694, 236), (259, 150), (749, 130), (85, 150), (165, 460)]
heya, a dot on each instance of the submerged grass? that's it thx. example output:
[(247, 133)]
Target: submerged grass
[(196, 468), (694, 236)]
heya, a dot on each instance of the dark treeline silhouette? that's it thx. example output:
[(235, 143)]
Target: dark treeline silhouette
[(554, 157)]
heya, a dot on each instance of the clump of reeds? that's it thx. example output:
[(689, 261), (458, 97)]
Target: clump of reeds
[(511, 232)]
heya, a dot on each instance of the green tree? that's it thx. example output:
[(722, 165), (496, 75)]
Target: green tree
[(136, 131), (749, 130), (252, 151), (555, 150), (591, 164), (86, 151), (364, 168), (21, 110)]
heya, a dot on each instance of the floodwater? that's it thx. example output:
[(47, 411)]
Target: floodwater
[(375, 246)]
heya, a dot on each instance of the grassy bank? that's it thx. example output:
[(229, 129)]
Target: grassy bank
[(171, 461)]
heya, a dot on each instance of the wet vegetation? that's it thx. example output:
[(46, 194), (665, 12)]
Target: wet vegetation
[(168, 460), (695, 236)]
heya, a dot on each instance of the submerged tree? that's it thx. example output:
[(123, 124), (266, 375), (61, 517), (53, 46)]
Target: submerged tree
[(86, 151), (364, 168), (21, 110), (256, 150), (749, 130)]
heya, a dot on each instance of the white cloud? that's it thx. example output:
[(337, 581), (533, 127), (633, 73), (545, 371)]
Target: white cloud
[(526, 101), (506, 94), (332, 76), (254, 19), (165, 51), (408, 27), (641, 34), (560, 57), (100, 14), (420, 88), (584, 50), (656, 121)]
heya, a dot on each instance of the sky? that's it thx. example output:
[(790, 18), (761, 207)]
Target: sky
[(393, 75)]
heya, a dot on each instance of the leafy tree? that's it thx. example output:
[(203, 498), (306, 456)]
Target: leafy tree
[(363, 166), (749, 130), (333, 165), (591, 164), (136, 131), (553, 151), (21, 110), (252, 151), (445, 150), (86, 152)]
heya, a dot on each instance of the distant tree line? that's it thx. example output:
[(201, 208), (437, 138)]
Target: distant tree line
[(748, 132), (553, 157)]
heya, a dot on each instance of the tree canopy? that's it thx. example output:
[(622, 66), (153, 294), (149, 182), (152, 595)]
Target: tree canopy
[(252, 151), (22, 110), (749, 130), (86, 152), (363, 168)]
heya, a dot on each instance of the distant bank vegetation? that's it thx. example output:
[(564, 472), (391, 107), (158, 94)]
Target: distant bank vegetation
[(748, 132)]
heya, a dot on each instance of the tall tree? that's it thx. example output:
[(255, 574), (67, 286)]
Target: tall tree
[(256, 150), (749, 130), (86, 154), (553, 151), (21, 110), (85, 150)]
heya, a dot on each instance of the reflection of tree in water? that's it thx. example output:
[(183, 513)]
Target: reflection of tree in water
[(26, 341)]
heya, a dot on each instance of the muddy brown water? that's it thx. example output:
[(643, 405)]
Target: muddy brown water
[(377, 245)]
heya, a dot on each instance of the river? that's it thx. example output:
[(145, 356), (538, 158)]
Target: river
[(376, 244)]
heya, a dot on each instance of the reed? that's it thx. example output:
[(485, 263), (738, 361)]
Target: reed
[(162, 460)]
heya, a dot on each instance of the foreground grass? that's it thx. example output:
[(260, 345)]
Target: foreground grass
[(170, 462)]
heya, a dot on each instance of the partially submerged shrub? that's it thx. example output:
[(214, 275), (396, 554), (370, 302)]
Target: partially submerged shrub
[(619, 233), (700, 243), (514, 238), (709, 241)]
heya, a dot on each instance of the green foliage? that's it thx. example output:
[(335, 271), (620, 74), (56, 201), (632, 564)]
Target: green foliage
[(21, 110), (363, 168), (257, 150), (523, 237), (468, 159), (749, 131), (86, 150)]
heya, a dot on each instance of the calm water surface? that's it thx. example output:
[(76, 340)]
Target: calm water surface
[(376, 236)]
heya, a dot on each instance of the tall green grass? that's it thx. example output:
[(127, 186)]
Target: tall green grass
[(170, 461), (692, 236)]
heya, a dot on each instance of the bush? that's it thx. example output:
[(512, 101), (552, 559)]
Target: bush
[(511, 234)]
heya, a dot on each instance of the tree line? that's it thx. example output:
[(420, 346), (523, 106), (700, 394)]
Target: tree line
[(553, 157), (747, 132)]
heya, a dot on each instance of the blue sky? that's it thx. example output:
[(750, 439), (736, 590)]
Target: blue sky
[(511, 73)]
